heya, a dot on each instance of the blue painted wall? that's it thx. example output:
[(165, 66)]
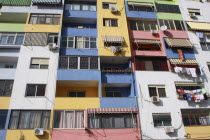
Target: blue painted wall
[(89, 32), (139, 14), (82, 52), (118, 102), (83, 75), (80, 14), (120, 66), (116, 77), (173, 53)]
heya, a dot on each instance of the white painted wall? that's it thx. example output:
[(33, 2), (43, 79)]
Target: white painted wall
[(25, 75), (203, 6), (170, 104)]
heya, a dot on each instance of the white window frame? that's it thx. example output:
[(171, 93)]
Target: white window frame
[(15, 37), (110, 22), (169, 28), (39, 63), (143, 23), (192, 10), (157, 87), (159, 114), (64, 118), (109, 3), (36, 90)]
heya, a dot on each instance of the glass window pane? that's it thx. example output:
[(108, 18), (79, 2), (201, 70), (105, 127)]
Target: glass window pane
[(140, 26), (35, 119), (73, 62), (72, 94), (8, 87), (3, 39), (106, 121), (63, 63), (178, 24), (119, 122), (80, 94), (93, 62), (80, 42), (162, 92), (162, 120), (85, 7), (92, 7), (40, 90), (2, 85), (86, 39), (10, 39), (30, 90), (152, 91), (48, 20), (84, 63), (24, 121), (58, 118), (45, 119), (203, 46), (19, 40), (3, 118), (76, 6), (171, 23), (13, 124)]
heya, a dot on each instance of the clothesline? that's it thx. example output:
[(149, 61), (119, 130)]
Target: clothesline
[(188, 71)]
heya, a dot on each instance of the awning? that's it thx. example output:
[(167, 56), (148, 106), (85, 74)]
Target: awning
[(188, 84), (140, 4), (183, 62), (112, 110), (199, 26), (113, 39), (146, 41), (178, 42), (15, 2), (46, 1)]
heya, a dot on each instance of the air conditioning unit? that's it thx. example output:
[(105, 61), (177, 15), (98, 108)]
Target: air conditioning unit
[(39, 131), (192, 15), (169, 129), (113, 9), (154, 31), (155, 99), (52, 46)]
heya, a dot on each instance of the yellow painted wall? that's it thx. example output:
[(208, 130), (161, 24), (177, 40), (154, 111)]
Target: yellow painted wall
[(122, 30), (4, 102), (43, 27), (90, 91), (27, 135), (198, 132), (76, 103)]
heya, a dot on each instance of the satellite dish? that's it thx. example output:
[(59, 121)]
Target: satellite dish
[(163, 28)]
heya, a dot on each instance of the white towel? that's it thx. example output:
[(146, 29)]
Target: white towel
[(193, 72), (201, 70), (184, 70), (113, 49), (188, 71), (177, 69)]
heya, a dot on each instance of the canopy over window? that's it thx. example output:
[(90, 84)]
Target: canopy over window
[(199, 26), (183, 62), (46, 1), (178, 42), (146, 41), (113, 39), (113, 110)]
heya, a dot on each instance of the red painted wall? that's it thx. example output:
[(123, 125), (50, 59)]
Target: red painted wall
[(97, 134)]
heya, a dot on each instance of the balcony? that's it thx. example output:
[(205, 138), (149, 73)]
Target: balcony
[(70, 93), (134, 11), (80, 14), (115, 70)]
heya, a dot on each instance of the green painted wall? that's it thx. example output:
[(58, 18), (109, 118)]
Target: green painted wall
[(12, 27), (169, 16)]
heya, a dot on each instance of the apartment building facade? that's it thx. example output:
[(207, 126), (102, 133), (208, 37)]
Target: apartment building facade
[(104, 69)]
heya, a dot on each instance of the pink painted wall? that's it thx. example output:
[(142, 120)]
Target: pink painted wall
[(97, 134), (149, 53)]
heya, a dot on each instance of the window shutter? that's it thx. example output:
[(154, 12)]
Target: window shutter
[(35, 61), (44, 61)]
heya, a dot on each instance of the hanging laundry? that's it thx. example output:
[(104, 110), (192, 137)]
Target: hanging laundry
[(113, 49), (201, 71), (205, 96), (200, 34), (184, 70), (193, 97), (188, 91), (181, 91), (189, 97), (177, 69), (188, 71), (193, 72), (185, 96), (204, 90), (201, 97)]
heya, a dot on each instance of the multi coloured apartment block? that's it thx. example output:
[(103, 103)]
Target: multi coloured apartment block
[(104, 69)]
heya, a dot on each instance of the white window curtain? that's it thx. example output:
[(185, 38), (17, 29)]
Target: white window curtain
[(79, 116), (35, 119), (24, 120), (69, 119), (80, 42)]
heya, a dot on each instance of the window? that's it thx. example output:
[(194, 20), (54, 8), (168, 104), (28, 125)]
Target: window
[(162, 120), (76, 94), (6, 87), (143, 25), (79, 42), (107, 5), (11, 38), (39, 63), (110, 22), (172, 24), (208, 64), (22, 119), (195, 11), (80, 7), (79, 62), (140, 6), (44, 19), (3, 118), (157, 91), (151, 64), (195, 117), (69, 119), (52, 38), (168, 8), (205, 46), (35, 90), (113, 94), (108, 121), (8, 65)]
